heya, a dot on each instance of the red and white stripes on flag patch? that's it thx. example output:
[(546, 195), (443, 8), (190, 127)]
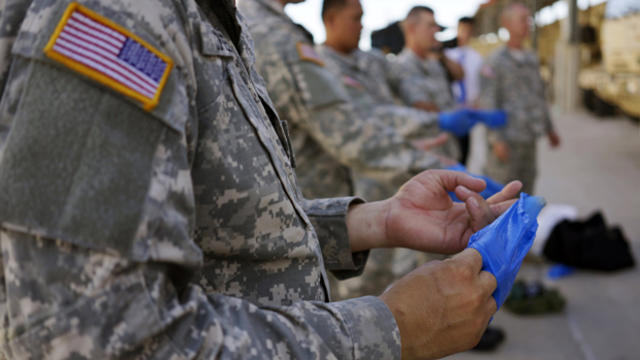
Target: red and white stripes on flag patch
[(104, 51)]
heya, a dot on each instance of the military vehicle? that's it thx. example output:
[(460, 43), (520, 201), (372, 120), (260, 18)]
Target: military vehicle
[(611, 79)]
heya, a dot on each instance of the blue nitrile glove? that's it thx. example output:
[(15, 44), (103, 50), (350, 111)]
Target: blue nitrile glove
[(458, 122), (504, 243), (492, 118), (493, 187)]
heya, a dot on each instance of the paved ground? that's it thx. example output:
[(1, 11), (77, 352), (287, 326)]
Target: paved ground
[(598, 167)]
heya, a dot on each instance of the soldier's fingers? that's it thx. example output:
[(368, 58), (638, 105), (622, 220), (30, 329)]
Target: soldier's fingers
[(510, 191), (469, 257), (487, 283), (478, 209), (498, 209), (431, 143), (480, 212), (452, 179)]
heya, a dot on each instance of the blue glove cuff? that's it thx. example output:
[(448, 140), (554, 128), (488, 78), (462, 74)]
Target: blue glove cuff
[(458, 122), (492, 118), (504, 243)]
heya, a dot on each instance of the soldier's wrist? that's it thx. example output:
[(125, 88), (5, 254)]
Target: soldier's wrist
[(366, 225)]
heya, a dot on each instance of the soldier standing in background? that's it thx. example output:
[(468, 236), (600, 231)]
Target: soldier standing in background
[(429, 73), (160, 218), (427, 84), (510, 80)]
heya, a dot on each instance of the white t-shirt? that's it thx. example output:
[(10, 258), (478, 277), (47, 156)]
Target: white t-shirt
[(471, 62)]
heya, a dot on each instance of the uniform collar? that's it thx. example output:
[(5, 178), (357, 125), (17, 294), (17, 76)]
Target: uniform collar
[(347, 60), (409, 54), (273, 5), (415, 59)]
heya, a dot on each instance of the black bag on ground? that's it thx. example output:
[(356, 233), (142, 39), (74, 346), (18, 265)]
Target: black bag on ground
[(589, 244)]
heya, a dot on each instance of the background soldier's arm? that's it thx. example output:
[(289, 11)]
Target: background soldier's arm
[(490, 97)]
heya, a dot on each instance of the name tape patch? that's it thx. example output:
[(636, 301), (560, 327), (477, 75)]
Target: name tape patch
[(104, 51)]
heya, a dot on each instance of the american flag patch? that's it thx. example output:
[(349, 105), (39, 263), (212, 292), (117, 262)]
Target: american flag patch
[(308, 53), (349, 81), (104, 51)]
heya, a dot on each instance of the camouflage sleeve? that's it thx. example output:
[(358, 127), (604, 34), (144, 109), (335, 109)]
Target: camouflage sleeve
[(4, 130), (394, 76), (408, 122), (328, 217), (489, 97), (312, 98), (547, 122), (98, 306)]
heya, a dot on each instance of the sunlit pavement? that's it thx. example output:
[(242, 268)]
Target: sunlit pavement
[(598, 167)]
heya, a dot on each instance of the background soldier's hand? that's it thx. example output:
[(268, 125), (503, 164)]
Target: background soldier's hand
[(429, 144), (426, 106), (554, 139), (501, 150), (421, 216), (442, 307)]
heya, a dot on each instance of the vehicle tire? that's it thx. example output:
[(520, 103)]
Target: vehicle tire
[(588, 99), (602, 108)]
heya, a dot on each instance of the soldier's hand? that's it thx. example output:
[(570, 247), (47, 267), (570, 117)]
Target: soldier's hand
[(421, 216), (431, 143), (442, 307), (501, 150), (426, 106), (554, 139)]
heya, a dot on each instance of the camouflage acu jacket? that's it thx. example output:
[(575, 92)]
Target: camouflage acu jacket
[(515, 86), (148, 206), (426, 81)]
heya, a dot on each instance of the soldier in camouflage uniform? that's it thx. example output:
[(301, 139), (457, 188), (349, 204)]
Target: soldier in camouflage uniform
[(426, 84), (330, 141), (160, 220), (510, 80), (430, 72)]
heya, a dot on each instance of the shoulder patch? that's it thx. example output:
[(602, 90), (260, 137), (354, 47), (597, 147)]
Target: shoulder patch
[(102, 50), (487, 71), (308, 53)]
